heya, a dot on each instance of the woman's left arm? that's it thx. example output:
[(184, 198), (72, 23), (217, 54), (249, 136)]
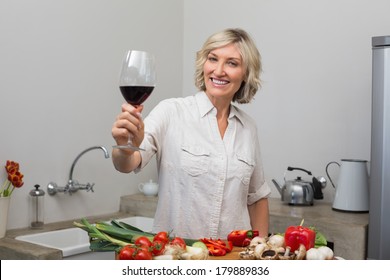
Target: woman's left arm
[(259, 216)]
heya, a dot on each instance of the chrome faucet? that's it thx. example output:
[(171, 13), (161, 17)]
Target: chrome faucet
[(73, 186)]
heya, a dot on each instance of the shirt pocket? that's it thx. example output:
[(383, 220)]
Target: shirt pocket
[(245, 166), (195, 160)]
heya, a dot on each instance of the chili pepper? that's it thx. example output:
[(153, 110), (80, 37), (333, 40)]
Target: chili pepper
[(242, 238), (296, 235)]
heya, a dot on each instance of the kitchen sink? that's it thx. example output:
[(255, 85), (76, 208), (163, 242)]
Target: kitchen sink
[(74, 242)]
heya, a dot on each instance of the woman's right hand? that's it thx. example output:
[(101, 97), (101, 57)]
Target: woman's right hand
[(129, 123)]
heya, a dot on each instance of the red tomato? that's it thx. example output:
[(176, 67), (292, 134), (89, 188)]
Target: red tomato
[(162, 236), (127, 253), (158, 247), (143, 241), (143, 254), (178, 241)]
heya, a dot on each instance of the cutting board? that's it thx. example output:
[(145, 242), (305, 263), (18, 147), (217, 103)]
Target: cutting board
[(233, 255)]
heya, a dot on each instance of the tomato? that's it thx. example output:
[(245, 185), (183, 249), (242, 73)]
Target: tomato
[(143, 254), (162, 236), (127, 253), (143, 241), (158, 247), (178, 241)]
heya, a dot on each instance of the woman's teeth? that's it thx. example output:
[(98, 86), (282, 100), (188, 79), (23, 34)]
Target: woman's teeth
[(218, 82)]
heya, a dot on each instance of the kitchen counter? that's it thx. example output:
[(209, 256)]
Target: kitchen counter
[(347, 231), (12, 249)]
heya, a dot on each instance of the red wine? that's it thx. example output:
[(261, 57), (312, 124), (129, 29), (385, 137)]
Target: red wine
[(136, 95)]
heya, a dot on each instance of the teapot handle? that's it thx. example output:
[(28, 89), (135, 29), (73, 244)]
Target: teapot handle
[(326, 170), (309, 193), (141, 187), (289, 168)]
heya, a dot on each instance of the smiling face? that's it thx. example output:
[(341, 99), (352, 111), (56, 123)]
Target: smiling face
[(224, 72)]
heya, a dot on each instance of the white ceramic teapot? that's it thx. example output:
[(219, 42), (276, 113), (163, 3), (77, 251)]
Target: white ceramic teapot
[(149, 189)]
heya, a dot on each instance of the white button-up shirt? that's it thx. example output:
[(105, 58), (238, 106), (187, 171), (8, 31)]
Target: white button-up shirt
[(205, 182)]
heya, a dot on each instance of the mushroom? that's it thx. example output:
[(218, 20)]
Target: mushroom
[(257, 240), (269, 255), (287, 255), (247, 254), (301, 252), (259, 249), (276, 240)]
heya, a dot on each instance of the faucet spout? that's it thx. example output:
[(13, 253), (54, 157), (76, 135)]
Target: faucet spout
[(106, 155)]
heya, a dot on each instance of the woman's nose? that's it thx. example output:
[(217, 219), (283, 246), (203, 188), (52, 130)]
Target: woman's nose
[(219, 69)]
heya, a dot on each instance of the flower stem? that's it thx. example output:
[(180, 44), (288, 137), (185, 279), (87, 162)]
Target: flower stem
[(5, 189)]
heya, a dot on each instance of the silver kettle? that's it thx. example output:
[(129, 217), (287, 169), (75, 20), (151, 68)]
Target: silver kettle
[(299, 191)]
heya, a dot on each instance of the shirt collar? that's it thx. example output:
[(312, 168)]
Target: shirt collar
[(205, 107), (204, 104)]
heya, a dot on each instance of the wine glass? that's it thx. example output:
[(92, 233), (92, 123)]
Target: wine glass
[(137, 81)]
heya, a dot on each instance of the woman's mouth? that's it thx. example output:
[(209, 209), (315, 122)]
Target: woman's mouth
[(219, 82)]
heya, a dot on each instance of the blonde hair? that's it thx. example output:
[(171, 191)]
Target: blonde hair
[(250, 56)]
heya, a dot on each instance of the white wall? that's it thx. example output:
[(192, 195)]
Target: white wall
[(315, 104), (59, 66)]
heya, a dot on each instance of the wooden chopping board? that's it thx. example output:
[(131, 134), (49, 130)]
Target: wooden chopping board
[(233, 255)]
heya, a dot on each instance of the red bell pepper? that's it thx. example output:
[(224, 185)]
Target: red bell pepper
[(217, 247), (296, 235), (242, 238), (216, 251)]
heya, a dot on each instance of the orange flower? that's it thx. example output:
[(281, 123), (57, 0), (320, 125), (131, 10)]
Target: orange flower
[(14, 178), (11, 166)]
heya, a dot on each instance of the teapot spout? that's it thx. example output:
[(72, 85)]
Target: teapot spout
[(277, 186)]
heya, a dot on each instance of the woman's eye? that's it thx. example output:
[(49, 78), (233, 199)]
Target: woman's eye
[(211, 58), (232, 63)]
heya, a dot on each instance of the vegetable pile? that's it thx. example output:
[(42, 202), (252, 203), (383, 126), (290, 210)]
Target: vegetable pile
[(297, 243), (131, 243)]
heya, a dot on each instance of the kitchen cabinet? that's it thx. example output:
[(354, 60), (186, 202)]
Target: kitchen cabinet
[(346, 231)]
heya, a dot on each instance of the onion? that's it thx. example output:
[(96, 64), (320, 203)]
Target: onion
[(195, 253), (175, 250)]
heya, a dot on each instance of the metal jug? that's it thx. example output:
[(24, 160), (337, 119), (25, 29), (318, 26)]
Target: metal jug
[(352, 194)]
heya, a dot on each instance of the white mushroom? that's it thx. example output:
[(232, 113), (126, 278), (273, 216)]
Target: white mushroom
[(257, 240), (269, 255), (326, 252), (259, 249), (287, 255), (314, 254), (276, 241), (301, 252)]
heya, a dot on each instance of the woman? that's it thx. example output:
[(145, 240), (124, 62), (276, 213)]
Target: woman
[(207, 150)]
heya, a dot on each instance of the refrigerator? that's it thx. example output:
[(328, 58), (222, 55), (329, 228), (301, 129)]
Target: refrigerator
[(379, 213)]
